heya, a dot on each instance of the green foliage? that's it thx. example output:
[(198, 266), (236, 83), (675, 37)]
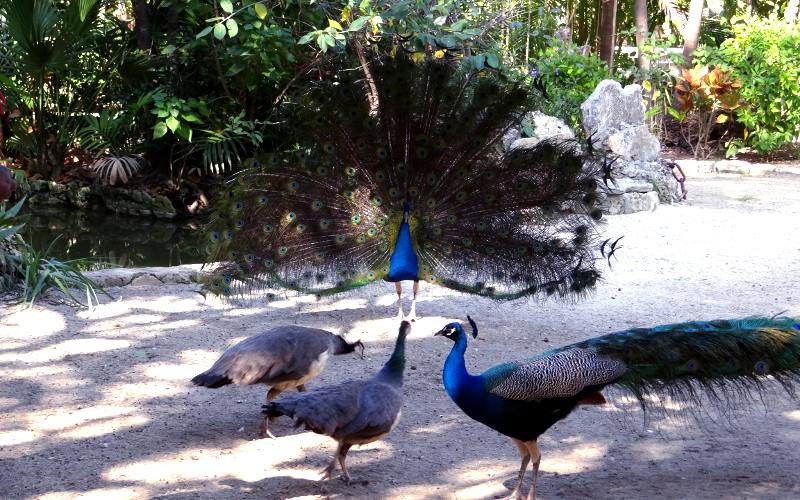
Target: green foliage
[(568, 78), (658, 81), (177, 115), (34, 270), (765, 55), (223, 150), (39, 272), (63, 56)]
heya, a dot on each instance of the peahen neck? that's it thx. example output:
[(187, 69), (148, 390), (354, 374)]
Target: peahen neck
[(455, 374), (392, 371)]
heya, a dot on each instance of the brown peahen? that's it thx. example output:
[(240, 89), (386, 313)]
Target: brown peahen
[(684, 361), (285, 357), (397, 175)]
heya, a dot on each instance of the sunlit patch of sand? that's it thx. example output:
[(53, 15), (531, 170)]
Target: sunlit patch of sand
[(580, 457), (248, 461), (35, 372), (97, 494), (68, 347), (17, 437), (31, 323), (71, 420)]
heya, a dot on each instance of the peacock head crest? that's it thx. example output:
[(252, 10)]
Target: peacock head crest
[(454, 330)]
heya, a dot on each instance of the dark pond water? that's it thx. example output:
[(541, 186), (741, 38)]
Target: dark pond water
[(112, 238)]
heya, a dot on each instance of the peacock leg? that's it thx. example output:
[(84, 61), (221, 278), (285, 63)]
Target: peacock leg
[(328, 471), (342, 454), (398, 286), (525, 457), (536, 458), (264, 429), (412, 314)]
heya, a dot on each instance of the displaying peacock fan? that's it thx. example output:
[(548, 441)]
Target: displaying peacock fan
[(398, 175), (720, 359)]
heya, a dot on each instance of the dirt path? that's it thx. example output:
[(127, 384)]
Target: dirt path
[(98, 404)]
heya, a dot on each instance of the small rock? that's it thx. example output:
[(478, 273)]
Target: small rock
[(742, 167), (146, 280)]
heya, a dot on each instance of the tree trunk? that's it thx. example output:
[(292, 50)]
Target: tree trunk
[(640, 20), (608, 29), (141, 17), (691, 32)]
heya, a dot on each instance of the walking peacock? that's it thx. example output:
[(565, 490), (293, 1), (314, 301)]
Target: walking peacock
[(682, 361), (398, 175)]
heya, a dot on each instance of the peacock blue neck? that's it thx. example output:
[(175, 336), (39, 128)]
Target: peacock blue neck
[(393, 369), (455, 375)]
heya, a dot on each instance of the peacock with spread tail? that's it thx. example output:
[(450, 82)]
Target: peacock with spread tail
[(719, 359), (397, 174)]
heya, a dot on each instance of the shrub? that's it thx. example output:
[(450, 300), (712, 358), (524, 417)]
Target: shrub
[(705, 97), (567, 77), (764, 54)]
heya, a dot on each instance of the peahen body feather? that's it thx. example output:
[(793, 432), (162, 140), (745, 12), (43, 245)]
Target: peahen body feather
[(396, 175), (684, 361)]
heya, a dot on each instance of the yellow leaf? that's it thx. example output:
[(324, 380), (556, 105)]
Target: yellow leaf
[(418, 57), (746, 133), (722, 118), (647, 85), (345, 13), (656, 94), (334, 24), (261, 10), (375, 21), (438, 54)]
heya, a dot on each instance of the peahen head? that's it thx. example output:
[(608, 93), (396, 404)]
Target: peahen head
[(454, 330), (345, 347)]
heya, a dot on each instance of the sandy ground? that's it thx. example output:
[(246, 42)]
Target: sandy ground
[(98, 404)]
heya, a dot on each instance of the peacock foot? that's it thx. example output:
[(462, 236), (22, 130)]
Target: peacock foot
[(264, 431), (412, 317), (327, 472)]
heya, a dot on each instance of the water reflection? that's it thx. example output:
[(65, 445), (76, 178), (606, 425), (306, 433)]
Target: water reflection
[(120, 240)]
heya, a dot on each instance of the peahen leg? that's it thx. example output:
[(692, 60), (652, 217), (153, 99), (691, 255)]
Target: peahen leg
[(327, 472), (536, 458), (525, 457), (412, 314), (301, 388), (342, 454), (264, 429), (398, 286)]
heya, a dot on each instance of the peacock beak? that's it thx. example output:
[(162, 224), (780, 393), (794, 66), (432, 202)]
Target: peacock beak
[(441, 332)]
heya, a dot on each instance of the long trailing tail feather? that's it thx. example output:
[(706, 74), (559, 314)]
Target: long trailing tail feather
[(720, 359)]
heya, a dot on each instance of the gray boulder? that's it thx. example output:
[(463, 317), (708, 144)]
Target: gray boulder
[(545, 127), (635, 143), (610, 109)]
